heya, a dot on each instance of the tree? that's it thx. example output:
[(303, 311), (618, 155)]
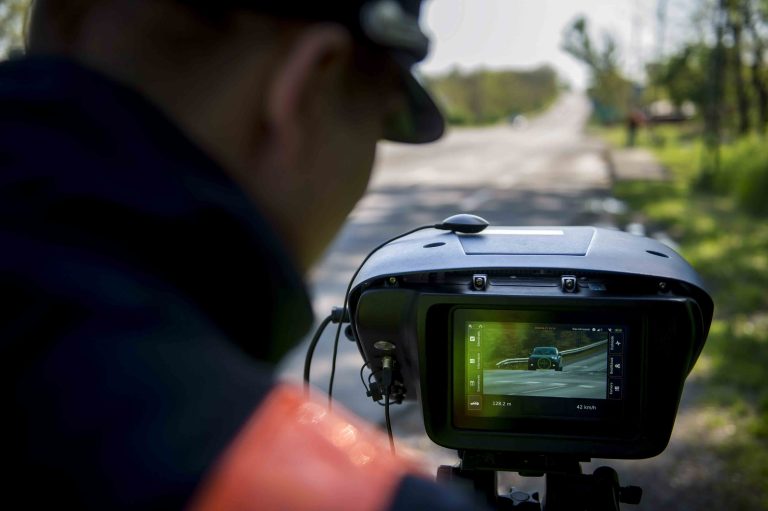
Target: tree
[(609, 90), (683, 75), (484, 96)]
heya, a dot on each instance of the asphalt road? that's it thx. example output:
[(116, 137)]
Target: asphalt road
[(584, 379), (595, 363), (548, 173)]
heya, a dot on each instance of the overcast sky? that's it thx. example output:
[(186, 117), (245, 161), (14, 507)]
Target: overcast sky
[(527, 33)]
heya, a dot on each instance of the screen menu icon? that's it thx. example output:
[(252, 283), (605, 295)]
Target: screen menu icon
[(615, 388), (473, 357), (616, 370), (615, 366)]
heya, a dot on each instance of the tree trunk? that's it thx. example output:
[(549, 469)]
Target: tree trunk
[(757, 72), (742, 98), (714, 105), (762, 94)]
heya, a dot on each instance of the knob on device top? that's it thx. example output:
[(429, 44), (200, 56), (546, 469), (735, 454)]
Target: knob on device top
[(463, 223)]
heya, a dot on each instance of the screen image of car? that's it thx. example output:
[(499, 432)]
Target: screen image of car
[(545, 358), (540, 360)]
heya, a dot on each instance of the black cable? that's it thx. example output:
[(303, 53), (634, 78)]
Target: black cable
[(362, 379), (346, 300), (370, 385), (389, 423), (311, 349)]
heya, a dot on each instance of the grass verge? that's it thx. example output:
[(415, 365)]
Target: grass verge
[(726, 240)]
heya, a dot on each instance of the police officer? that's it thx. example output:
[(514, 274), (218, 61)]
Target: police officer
[(168, 170)]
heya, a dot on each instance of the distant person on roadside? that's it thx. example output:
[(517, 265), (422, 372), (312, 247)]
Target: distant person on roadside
[(169, 169), (635, 120)]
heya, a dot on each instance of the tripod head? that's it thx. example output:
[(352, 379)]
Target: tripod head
[(567, 488)]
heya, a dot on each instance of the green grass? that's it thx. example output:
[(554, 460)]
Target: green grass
[(744, 173), (723, 233)]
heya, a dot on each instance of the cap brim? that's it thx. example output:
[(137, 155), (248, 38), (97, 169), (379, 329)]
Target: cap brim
[(421, 121)]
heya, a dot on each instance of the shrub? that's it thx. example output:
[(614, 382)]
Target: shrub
[(743, 174)]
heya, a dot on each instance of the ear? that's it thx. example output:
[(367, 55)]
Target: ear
[(297, 85)]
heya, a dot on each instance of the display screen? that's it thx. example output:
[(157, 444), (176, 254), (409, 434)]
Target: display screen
[(532, 368)]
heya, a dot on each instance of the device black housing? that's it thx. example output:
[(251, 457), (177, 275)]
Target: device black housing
[(406, 292)]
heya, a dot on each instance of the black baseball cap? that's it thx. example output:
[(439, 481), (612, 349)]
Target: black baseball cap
[(394, 26), (389, 25)]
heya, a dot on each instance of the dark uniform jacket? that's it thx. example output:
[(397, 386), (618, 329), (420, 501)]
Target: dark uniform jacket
[(144, 301)]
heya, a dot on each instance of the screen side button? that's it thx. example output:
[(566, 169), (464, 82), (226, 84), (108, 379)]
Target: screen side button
[(615, 366), (615, 388), (616, 343), (474, 402)]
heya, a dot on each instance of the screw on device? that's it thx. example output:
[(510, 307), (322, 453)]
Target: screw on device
[(569, 283), (479, 282)]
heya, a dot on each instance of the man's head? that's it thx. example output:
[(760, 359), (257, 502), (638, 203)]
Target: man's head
[(290, 106)]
